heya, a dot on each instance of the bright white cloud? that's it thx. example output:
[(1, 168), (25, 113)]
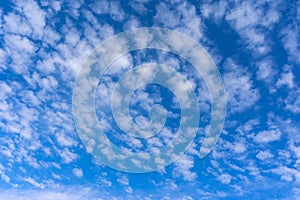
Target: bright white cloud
[(286, 78), (290, 41), (183, 168), (78, 193), (183, 18), (247, 17), (240, 91), (225, 178), (292, 102), (34, 15), (45, 42), (78, 172), (264, 155), (268, 136)]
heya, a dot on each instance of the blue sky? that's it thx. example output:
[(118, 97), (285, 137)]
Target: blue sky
[(255, 46)]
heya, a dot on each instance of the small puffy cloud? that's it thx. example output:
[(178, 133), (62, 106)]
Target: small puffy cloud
[(73, 193), (183, 167), (78, 172), (264, 155), (16, 24), (239, 87), (182, 17), (34, 182), (286, 78), (236, 147), (239, 147), (225, 178), (21, 44), (266, 70), (247, 17), (287, 174), (268, 136), (292, 101), (5, 90), (123, 180), (35, 16), (67, 156), (291, 41)]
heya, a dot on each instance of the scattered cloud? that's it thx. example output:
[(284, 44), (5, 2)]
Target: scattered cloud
[(44, 43), (241, 94), (264, 155), (268, 136), (225, 178)]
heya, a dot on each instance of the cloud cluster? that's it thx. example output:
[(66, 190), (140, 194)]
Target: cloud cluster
[(44, 43)]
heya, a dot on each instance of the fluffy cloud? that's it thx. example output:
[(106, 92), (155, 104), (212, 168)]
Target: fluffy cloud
[(268, 136), (183, 168), (292, 102), (78, 172), (225, 178), (264, 155), (44, 43), (241, 93)]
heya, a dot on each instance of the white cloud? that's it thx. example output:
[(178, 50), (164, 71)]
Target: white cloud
[(264, 155), (101, 7), (215, 9), (35, 16), (74, 193), (116, 11), (266, 71), (34, 182), (225, 178), (241, 93), (183, 167), (5, 90), (20, 50), (21, 110), (78, 172), (21, 44), (291, 42), (248, 17), (56, 5), (4, 177), (248, 127), (65, 140), (268, 136), (244, 15), (237, 147), (122, 64), (3, 58), (123, 180), (67, 155), (286, 78), (72, 37), (253, 169), (292, 101), (182, 17), (139, 5), (129, 189), (14, 23), (287, 174)]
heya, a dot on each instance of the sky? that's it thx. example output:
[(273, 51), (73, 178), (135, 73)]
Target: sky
[(56, 91)]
